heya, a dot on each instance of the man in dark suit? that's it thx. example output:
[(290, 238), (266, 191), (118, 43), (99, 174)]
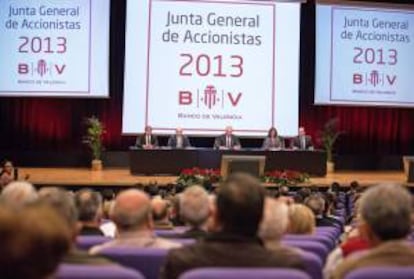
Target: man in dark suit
[(147, 140), (227, 140), (302, 141), (234, 243), (178, 140)]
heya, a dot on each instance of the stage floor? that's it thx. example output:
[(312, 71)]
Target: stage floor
[(123, 178)]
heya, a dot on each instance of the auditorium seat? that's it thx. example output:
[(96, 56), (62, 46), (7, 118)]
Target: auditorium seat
[(85, 242), (382, 273), (313, 264), (146, 260), (332, 231), (310, 246), (323, 239), (243, 273), (82, 271)]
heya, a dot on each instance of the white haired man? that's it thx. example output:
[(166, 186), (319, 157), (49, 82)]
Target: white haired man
[(385, 212)]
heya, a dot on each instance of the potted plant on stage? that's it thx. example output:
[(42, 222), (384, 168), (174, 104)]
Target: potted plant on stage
[(93, 138), (328, 137)]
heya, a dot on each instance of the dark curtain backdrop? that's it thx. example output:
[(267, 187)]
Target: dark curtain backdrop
[(36, 124)]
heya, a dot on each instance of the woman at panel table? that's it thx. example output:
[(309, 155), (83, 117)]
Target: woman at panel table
[(273, 141)]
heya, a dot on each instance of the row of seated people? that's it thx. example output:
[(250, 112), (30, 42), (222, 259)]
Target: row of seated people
[(227, 140), (239, 226)]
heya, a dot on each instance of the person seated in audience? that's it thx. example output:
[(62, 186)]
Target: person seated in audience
[(228, 140), (179, 140), (273, 140), (18, 194), (175, 217), (385, 212), (63, 204), (34, 240), (89, 206), (195, 210), (301, 220), (302, 194), (135, 227), (7, 173), (331, 205), (274, 225), (302, 141), (160, 214), (147, 140), (317, 204), (238, 213)]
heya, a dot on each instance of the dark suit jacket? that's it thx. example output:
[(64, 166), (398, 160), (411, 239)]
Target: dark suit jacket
[(141, 140), (190, 233), (85, 230), (172, 141), (295, 143), (220, 141), (226, 250)]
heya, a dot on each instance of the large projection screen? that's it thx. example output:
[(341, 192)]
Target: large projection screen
[(203, 64), (364, 54), (54, 48)]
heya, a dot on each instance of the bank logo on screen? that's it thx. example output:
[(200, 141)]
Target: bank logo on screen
[(209, 97)]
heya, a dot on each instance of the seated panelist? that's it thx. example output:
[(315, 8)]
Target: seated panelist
[(302, 141), (227, 140), (147, 140), (273, 140), (179, 140)]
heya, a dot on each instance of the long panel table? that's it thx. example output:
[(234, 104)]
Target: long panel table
[(172, 161)]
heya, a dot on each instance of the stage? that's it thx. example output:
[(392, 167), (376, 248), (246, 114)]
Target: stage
[(119, 178)]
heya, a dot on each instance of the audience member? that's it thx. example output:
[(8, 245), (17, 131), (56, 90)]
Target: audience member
[(175, 209), (160, 214), (385, 212), (273, 226), (6, 173), (33, 242), (317, 204), (18, 193), (301, 195), (63, 203), (195, 210), (301, 220), (239, 211), (132, 217), (89, 206)]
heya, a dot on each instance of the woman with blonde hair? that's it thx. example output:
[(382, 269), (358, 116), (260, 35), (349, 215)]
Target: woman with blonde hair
[(301, 220)]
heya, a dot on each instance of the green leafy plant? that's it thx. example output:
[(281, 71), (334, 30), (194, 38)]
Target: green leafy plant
[(328, 137), (94, 135), (285, 177), (195, 175)]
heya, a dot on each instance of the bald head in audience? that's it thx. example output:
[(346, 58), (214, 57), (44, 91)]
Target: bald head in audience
[(132, 211), (160, 213), (18, 193)]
